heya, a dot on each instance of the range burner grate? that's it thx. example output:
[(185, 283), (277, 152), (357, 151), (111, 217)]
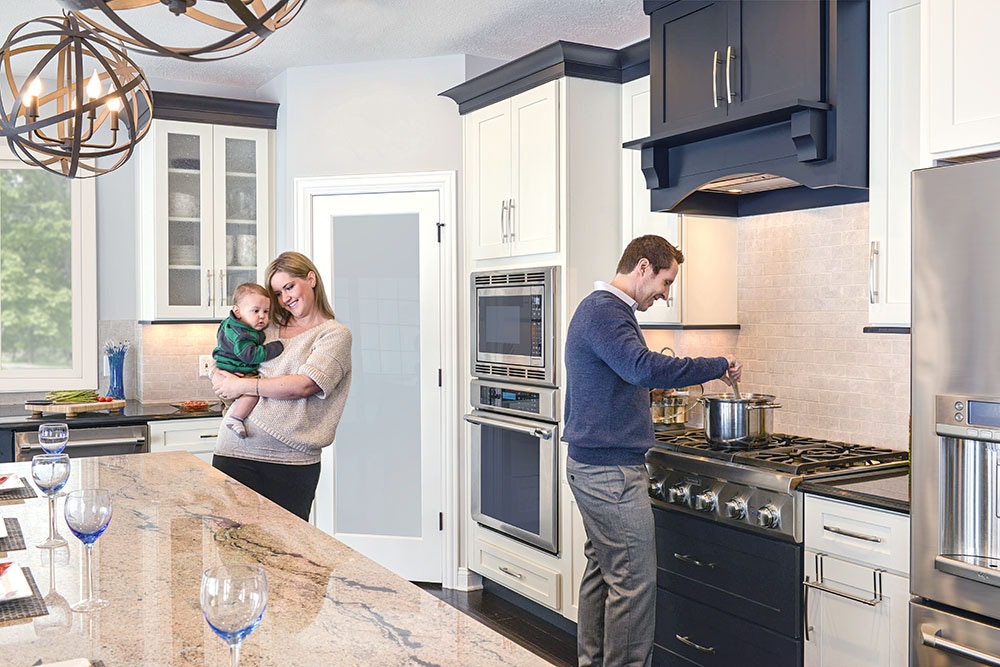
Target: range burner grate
[(785, 453)]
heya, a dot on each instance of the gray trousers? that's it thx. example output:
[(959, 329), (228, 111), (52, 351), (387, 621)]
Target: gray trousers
[(616, 615)]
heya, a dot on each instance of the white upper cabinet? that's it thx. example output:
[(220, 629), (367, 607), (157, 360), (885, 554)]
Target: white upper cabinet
[(894, 154), (963, 101), (204, 202), (704, 293), (512, 164)]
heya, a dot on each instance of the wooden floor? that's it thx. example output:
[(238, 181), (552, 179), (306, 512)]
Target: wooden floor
[(535, 634)]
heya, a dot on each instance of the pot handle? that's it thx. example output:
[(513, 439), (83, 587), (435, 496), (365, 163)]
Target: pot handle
[(764, 406)]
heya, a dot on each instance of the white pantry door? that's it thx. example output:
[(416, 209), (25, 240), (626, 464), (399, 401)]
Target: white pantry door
[(381, 260)]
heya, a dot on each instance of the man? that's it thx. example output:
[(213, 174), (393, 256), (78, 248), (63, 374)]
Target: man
[(609, 370)]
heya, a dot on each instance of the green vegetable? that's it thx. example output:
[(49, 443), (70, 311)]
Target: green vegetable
[(72, 396)]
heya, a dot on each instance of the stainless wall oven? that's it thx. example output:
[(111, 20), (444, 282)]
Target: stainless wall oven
[(515, 461), (513, 325)]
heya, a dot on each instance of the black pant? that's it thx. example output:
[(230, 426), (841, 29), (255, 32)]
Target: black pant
[(292, 487)]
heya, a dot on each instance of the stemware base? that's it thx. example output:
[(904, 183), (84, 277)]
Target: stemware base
[(84, 606), (56, 542)]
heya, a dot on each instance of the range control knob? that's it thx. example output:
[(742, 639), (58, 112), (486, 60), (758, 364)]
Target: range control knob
[(768, 516), (736, 508), (679, 493), (706, 501), (655, 488)]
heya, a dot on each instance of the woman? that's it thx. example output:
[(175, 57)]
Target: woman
[(302, 391)]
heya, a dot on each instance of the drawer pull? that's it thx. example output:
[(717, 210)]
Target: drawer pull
[(208, 435), (687, 559), (931, 637), (516, 575), (688, 642), (851, 533)]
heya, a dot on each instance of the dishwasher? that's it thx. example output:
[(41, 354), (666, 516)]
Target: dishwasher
[(88, 441)]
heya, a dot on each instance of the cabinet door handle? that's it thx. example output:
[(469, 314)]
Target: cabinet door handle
[(820, 586), (516, 575), (729, 60), (503, 223), (688, 642), (873, 273), (687, 559), (510, 219), (223, 296), (715, 79), (930, 636), (208, 281), (851, 533)]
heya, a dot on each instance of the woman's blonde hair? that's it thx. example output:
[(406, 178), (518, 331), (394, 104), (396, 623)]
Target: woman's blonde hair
[(298, 265)]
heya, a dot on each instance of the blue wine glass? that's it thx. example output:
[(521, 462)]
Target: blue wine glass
[(88, 512), (233, 598), (52, 438), (49, 472)]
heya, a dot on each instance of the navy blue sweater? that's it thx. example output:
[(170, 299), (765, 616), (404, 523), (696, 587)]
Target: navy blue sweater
[(609, 371)]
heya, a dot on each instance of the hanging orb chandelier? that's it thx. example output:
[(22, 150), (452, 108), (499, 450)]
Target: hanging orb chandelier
[(82, 98), (236, 26)]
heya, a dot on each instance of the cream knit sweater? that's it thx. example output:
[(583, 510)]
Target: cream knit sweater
[(294, 431)]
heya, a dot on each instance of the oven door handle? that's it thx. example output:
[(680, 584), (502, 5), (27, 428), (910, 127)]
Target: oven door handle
[(83, 444), (535, 431), (931, 636)]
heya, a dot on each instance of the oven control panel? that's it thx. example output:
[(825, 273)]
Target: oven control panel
[(514, 399)]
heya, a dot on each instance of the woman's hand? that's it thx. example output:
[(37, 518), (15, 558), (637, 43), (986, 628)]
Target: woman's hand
[(226, 385)]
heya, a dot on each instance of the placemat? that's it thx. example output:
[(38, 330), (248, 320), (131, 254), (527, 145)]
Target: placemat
[(26, 491), (11, 610), (15, 538)]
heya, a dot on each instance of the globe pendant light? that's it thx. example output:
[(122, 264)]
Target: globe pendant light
[(82, 98), (236, 25)]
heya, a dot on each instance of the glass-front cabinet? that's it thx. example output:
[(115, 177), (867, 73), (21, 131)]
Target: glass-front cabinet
[(204, 193)]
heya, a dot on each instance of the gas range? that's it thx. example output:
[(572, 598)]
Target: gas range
[(753, 488)]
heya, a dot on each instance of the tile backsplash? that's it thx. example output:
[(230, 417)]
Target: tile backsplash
[(168, 370), (803, 288)]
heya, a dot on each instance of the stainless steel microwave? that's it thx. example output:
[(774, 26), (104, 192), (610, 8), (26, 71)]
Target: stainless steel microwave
[(513, 325)]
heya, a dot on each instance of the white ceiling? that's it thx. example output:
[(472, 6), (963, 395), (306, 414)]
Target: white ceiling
[(344, 31)]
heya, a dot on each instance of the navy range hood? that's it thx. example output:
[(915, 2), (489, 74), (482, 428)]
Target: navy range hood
[(804, 145)]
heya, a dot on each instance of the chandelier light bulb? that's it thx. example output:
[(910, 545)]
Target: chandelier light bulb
[(114, 103), (33, 91), (94, 87)]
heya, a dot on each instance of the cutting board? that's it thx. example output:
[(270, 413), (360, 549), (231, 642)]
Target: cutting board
[(73, 409)]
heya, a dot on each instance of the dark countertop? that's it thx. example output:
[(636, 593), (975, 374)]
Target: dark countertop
[(889, 490), (15, 417)]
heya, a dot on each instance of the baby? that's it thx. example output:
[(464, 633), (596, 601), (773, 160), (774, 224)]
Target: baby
[(241, 347)]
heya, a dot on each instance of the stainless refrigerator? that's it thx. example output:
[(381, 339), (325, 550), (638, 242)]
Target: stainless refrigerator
[(955, 408)]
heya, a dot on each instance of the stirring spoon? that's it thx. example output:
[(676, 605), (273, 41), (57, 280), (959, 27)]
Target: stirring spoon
[(736, 388)]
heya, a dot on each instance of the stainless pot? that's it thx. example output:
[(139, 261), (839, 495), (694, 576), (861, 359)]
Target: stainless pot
[(734, 422)]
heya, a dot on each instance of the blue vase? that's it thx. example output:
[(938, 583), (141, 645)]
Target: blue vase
[(116, 385)]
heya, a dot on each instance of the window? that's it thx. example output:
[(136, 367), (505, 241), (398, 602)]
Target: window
[(48, 295)]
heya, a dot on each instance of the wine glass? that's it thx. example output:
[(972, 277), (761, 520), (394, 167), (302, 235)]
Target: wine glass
[(88, 512), (50, 472), (233, 598), (60, 617), (53, 437)]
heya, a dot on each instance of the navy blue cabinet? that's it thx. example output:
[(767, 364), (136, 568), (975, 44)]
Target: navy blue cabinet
[(713, 61)]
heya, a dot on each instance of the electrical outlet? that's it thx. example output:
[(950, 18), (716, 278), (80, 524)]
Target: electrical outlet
[(204, 365)]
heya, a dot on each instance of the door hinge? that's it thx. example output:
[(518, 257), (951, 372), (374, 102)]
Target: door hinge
[(440, 520), (440, 380), (439, 226)]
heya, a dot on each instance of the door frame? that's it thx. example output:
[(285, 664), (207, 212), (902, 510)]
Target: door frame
[(444, 183)]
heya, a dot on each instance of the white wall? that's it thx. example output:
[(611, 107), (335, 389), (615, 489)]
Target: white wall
[(364, 118)]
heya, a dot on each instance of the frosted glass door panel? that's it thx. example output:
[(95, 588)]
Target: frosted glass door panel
[(377, 295), (185, 220), (241, 212)]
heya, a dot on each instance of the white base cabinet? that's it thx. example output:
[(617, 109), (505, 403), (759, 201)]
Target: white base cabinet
[(857, 585), (197, 436), (704, 293)]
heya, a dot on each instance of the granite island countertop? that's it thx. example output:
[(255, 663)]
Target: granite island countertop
[(173, 517), (888, 491)]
